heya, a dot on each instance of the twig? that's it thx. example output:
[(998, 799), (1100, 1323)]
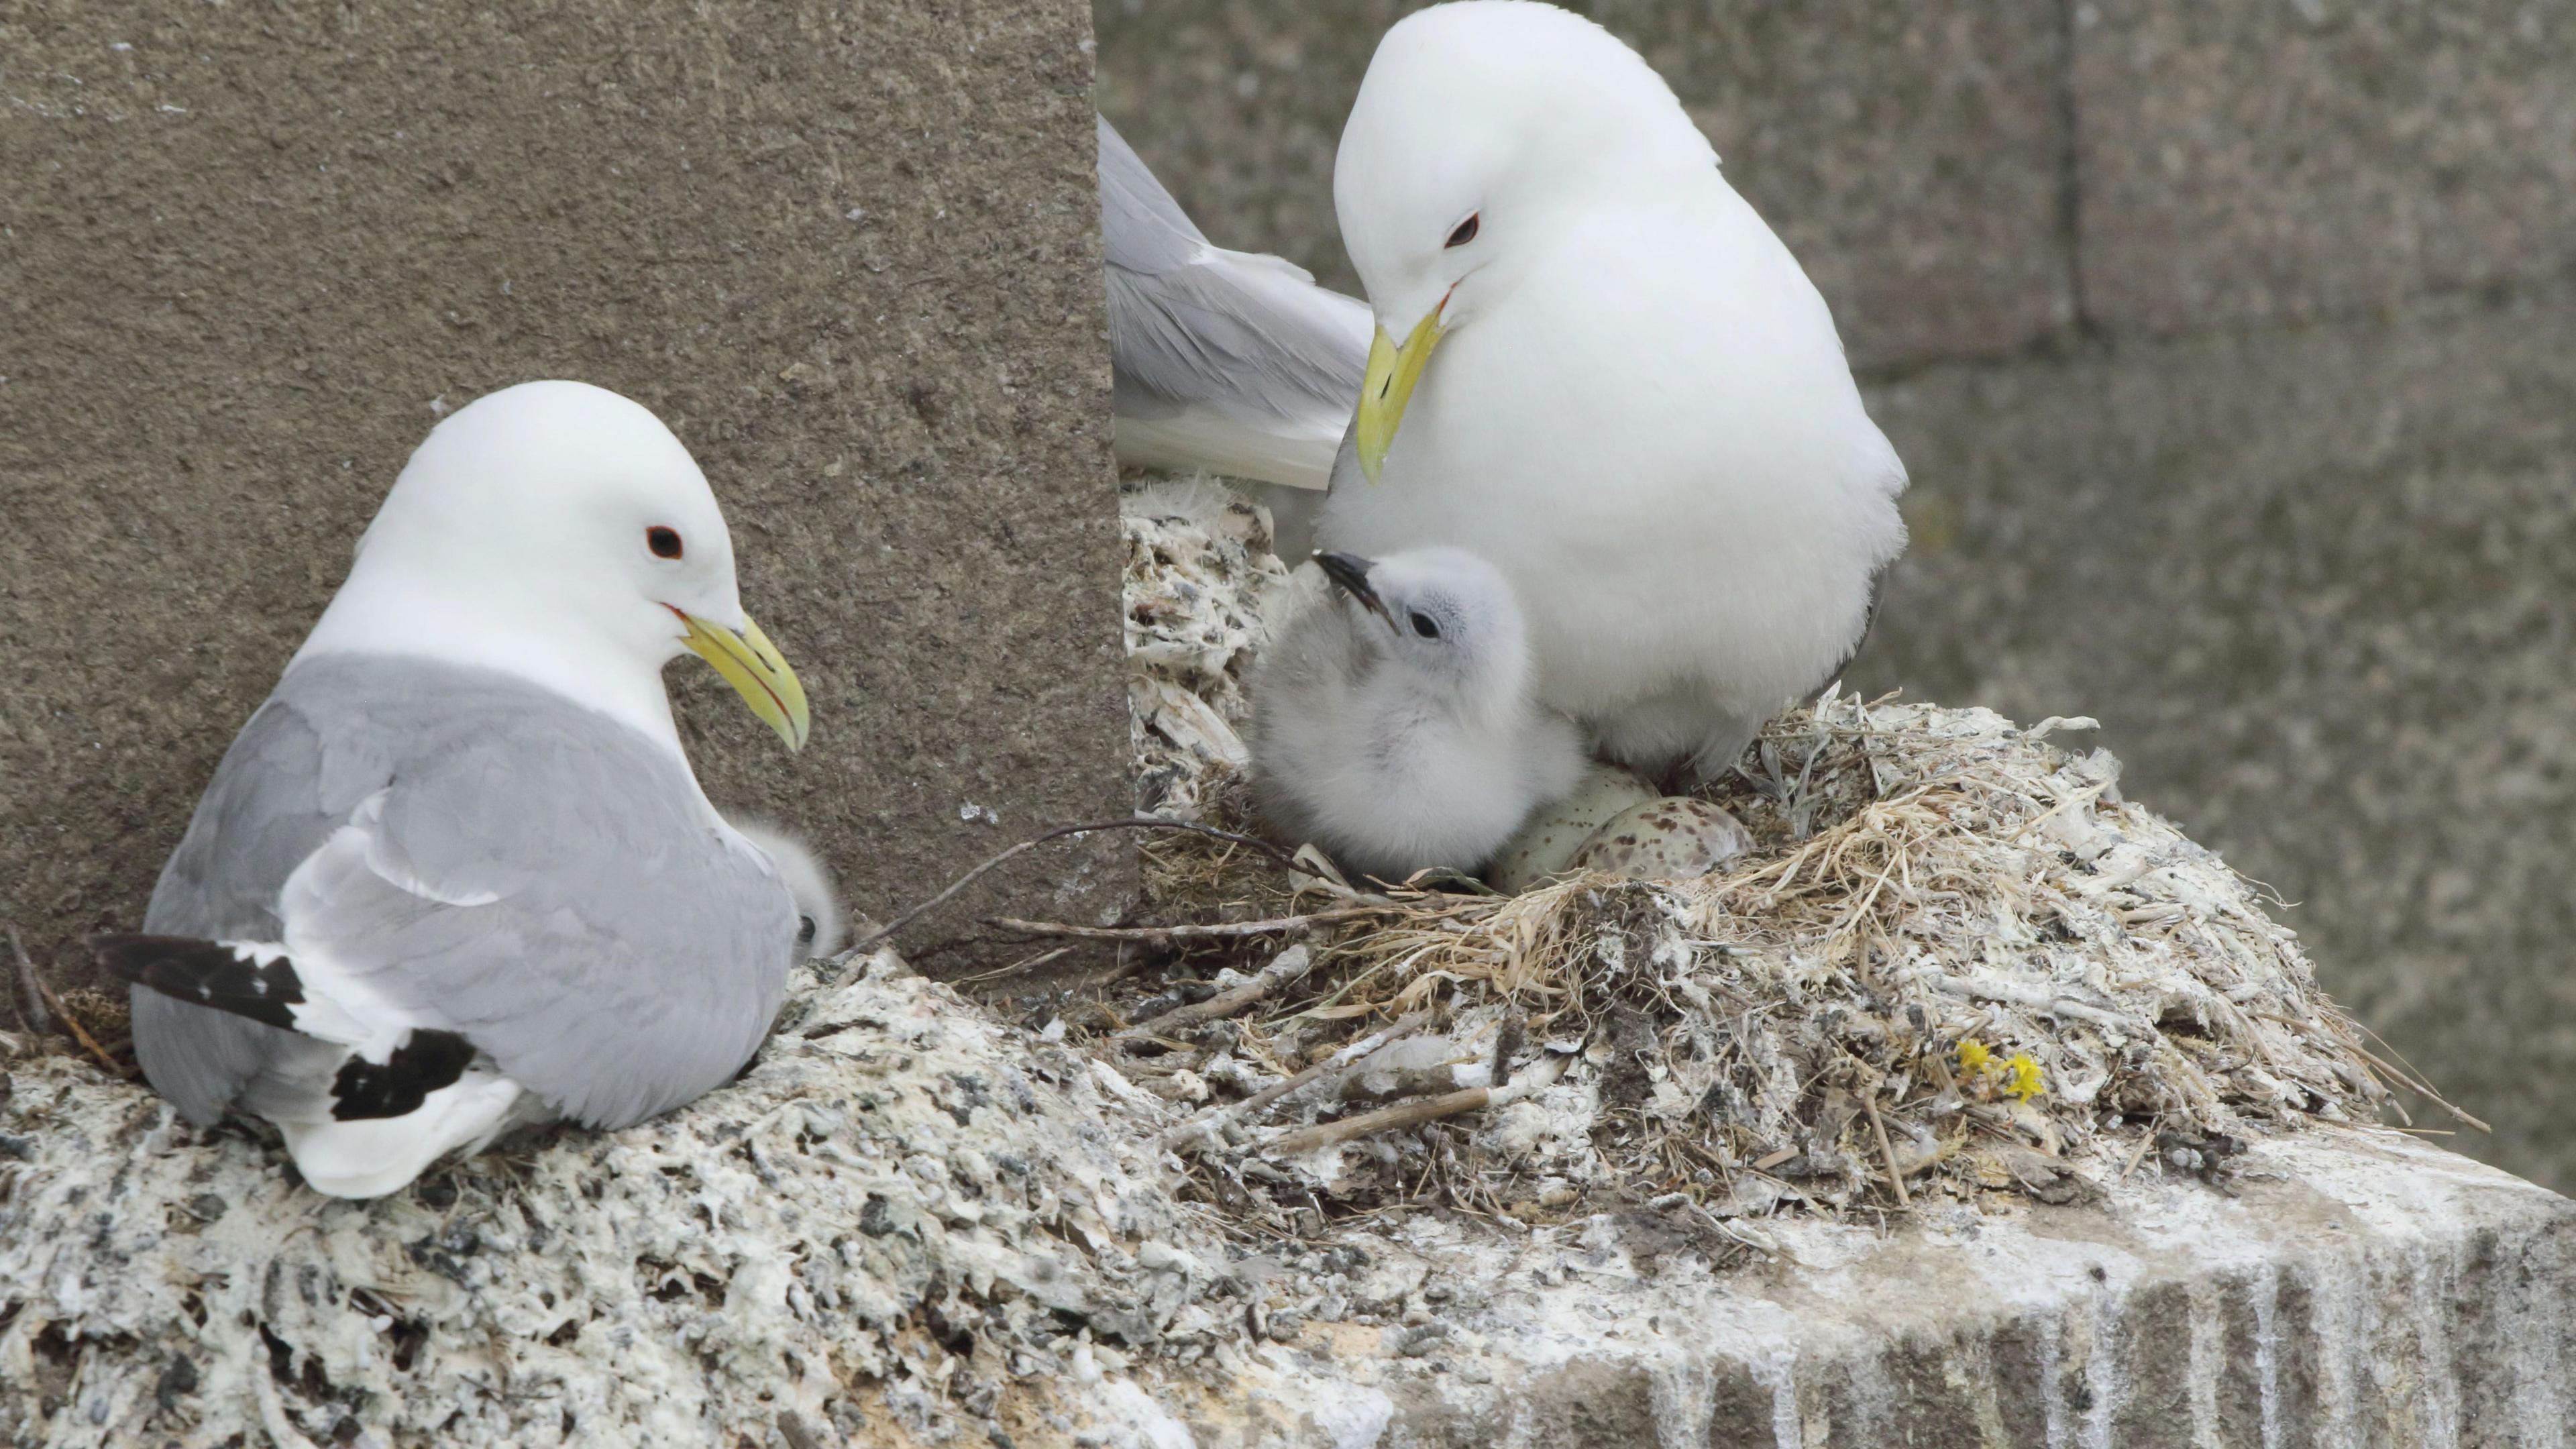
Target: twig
[(1286, 967), (80, 1034), (31, 1007), (1027, 964), (2146, 1140), (887, 932), (2417, 1086), (1878, 1128), (1415, 1112), (1215, 1117), (1403, 1114), (2034, 998), (1185, 931)]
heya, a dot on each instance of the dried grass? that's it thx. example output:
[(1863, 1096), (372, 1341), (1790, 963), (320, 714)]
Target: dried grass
[(1930, 888)]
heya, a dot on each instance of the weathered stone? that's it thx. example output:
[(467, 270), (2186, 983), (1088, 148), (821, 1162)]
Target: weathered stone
[(1910, 157), (2319, 156), (2361, 1288), (2316, 585), (914, 1225), (851, 256)]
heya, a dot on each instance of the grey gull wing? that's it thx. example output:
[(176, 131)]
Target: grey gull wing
[(488, 858), (1225, 361)]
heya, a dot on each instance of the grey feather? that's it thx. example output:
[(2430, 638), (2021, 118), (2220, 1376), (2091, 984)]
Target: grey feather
[(1228, 361), (619, 956)]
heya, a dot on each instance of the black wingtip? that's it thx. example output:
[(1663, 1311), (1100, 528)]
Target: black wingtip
[(429, 1060), (204, 973)]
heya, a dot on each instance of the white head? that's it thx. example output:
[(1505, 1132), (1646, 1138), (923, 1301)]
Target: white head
[(1480, 128), (1445, 617), (558, 531)]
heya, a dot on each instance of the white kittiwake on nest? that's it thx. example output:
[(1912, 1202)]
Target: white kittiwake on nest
[(1394, 724), (456, 874), (1228, 362), (1597, 367)]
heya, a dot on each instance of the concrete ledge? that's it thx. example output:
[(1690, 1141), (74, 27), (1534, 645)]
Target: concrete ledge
[(2362, 1288)]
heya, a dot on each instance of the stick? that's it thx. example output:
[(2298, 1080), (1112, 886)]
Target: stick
[(71, 1023), (1879, 1127), (906, 918), (2145, 1141), (1216, 1117), (1186, 931), (1415, 1112), (1286, 967), (2374, 1059), (31, 1008), (2035, 999)]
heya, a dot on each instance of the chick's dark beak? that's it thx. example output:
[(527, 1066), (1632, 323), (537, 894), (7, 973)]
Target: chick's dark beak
[(1349, 573)]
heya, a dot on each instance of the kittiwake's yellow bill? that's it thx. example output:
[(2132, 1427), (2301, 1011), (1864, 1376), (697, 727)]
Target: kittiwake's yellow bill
[(1388, 386), (753, 666)]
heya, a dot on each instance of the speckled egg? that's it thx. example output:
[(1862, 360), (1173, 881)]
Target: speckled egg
[(1555, 832), (1673, 838)]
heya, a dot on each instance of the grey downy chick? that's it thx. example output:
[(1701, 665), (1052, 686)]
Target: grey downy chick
[(1396, 722)]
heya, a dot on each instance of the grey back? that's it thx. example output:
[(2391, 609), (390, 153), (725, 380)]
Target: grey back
[(533, 875)]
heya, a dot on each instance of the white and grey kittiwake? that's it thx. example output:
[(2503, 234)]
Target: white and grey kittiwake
[(1596, 367), (456, 874), (1223, 361), (1394, 723)]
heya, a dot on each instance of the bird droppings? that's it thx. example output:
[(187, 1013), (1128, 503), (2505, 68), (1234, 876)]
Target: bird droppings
[(903, 1215)]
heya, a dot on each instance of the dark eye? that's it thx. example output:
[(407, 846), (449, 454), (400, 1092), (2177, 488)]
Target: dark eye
[(1423, 625), (664, 542), (1465, 233)]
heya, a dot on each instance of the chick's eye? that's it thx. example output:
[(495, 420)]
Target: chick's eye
[(1465, 233), (664, 542), (1423, 625)]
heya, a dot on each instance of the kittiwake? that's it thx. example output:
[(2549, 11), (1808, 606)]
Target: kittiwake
[(1638, 409), (1224, 361), (456, 874), (1394, 724)]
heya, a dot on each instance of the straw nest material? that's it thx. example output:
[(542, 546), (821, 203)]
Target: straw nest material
[(1956, 960)]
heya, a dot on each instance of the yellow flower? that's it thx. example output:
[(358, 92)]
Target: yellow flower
[(2021, 1076), (1975, 1062)]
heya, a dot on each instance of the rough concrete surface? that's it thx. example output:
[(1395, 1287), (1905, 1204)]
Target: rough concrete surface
[(2316, 584), (1910, 157), (2243, 162), (912, 1225), (2363, 1290), (251, 252)]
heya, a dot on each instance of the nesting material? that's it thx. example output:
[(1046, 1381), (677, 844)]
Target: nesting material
[(1955, 960), (1199, 577)]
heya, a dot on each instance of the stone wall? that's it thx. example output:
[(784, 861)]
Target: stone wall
[(249, 255), (2230, 348)]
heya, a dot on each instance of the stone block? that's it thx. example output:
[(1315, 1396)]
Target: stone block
[(1911, 158), (2357, 1288), (2319, 156), (850, 255), (2316, 584), (912, 1224)]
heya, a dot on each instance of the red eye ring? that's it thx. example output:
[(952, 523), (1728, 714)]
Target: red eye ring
[(1465, 232), (664, 542)]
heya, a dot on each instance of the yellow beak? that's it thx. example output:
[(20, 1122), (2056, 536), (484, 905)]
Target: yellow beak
[(751, 664), (1392, 372)]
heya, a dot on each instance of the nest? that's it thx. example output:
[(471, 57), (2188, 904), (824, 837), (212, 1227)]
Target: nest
[(1956, 962)]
